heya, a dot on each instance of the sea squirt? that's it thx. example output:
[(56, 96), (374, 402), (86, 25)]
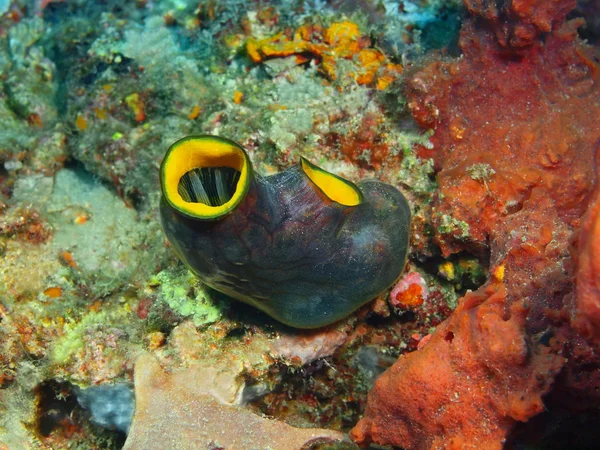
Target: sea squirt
[(304, 245)]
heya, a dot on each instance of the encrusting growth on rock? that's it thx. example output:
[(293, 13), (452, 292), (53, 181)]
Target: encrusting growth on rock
[(522, 103), (173, 411)]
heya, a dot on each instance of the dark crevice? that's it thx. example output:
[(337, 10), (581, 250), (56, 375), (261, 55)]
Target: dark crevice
[(59, 414), (55, 404), (212, 186), (467, 270)]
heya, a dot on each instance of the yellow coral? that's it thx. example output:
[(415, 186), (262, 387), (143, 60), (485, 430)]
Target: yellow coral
[(343, 37), (135, 102), (342, 40), (446, 269), (369, 60), (498, 273)]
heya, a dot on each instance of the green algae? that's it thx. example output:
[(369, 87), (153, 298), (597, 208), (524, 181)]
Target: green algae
[(180, 290), (70, 344), (417, 175), (481, 172), (451, 225)]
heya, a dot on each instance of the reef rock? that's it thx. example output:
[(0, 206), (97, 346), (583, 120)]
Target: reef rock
[(173, 411), (308, 346)]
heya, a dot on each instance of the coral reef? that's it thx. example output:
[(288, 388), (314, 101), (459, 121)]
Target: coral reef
[(479, 191), (513, 144), (92, 95), (28, 112), (497, 169)]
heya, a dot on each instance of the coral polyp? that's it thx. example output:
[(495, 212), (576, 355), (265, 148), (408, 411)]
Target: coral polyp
[(304, 246)]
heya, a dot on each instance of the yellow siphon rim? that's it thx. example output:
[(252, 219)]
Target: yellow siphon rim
[(203, 151), (332, 186)]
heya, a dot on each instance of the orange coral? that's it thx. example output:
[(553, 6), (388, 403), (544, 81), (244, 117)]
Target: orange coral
[(53, 292), (410, 292), (194, 113), (369, 60), (489, 348), (411, 297), (588, 274), (520, 22), (515, 132), (66, 258), (342, 40), (81, 123), (455, 391), (238, 97), (366, 146), (506, 123), (344, 37)]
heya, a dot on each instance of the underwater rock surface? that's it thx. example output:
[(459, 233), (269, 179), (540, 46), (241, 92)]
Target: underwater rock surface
[(174, 412), (111, 406)]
